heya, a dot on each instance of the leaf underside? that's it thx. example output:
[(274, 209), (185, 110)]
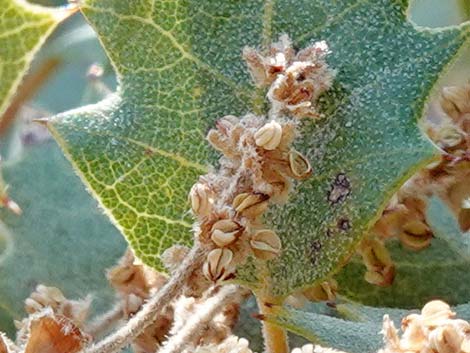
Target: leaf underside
[(179, 68), (23, 29)]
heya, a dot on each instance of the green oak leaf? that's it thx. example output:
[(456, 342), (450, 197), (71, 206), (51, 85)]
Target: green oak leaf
[(23, 29), (60, 240), (442, 268), (352, 327), (179, 68)]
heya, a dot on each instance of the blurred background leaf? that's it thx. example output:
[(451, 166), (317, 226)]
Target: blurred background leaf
[(61, 239)]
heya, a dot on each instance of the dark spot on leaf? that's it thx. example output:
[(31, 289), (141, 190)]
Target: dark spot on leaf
[(340, 188), (344, 224), (315, 247)]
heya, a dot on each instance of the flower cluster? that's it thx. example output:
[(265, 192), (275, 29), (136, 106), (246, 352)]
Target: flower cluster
[(295, 80), (455, 102), (434, 330), (259, 162), (135, 282), (405, 216), (50, 297)]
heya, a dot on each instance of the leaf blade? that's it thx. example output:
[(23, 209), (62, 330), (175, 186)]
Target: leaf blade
[(169, 98), (23, 29)]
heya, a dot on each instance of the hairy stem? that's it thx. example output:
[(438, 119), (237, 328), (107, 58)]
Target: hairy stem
[(275, 337), (148, 314), (106, 321), (203, 315)]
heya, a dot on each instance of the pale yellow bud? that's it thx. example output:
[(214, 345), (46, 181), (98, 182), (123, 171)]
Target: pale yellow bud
[(31, 306), (227, 123), (375, 255), (225, 232), (250, 205), (266, 244), (455, 100), (416, 235), (414, 335), (299, 165), (446, 339), (382, 278), (44, 297), (436, 312), (269, 136), (51, 292), (218, 264), (465, 346), (201, 199)]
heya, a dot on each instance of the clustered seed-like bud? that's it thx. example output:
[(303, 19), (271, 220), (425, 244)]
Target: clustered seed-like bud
[(258, 163), (299, 165), (455, 101), (50, 297), (379, 264), (250, 205), (201, 199), (434, 330), (296, 80), (265, 68), (296, 89), (219, 264), (225, 232), (266, 244), (404, 218), (269, 136)]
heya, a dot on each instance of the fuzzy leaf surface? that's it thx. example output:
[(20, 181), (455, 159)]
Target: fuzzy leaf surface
[(23, 29), (179, 68), (442, 268)]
